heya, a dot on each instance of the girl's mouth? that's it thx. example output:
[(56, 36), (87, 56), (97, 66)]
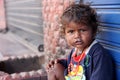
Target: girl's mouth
[(78, 42)]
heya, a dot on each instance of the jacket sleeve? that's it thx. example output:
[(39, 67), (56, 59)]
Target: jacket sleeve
[(65, 62), (102, 67)]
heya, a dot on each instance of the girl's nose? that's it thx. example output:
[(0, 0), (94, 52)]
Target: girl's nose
[(77, 34)]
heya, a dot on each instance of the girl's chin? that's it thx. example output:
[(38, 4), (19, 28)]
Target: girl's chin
[(79, 47)]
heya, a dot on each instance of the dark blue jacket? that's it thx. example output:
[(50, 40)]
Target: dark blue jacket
[(100, 64)]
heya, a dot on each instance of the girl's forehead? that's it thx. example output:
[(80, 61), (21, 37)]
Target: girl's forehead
[(76, 25)]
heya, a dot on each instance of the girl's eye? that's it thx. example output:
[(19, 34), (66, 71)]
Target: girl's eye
[(70, 31), (82, 30)]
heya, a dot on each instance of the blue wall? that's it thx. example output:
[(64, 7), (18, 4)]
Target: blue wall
[(109, 36)]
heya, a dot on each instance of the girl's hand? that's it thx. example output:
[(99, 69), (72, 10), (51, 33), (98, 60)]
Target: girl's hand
[(51, 65)]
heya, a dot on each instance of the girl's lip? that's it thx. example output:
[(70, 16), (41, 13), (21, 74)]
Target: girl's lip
[(78, 42)]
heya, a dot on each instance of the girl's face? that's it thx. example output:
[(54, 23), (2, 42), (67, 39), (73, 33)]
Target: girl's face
[(79, 36)]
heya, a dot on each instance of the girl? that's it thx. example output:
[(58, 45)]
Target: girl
[(88, 60)]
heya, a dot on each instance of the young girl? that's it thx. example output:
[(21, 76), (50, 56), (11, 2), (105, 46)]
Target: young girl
[(88, 60)]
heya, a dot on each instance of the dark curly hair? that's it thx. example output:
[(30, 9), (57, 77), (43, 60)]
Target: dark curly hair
[(80, 14)]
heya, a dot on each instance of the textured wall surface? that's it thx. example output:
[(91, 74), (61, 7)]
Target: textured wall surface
[(2, 16), (52, 10)]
